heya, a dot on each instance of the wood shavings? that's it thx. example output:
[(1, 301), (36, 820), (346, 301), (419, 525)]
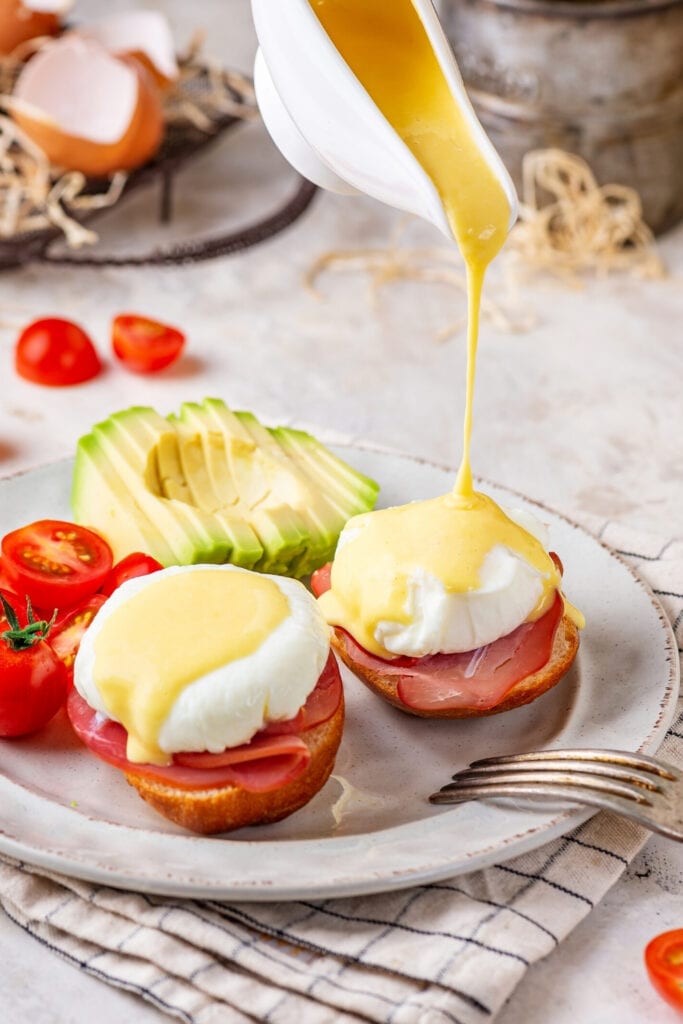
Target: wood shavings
[(440, 266), (569, 225), (205, 91), (33, 196)]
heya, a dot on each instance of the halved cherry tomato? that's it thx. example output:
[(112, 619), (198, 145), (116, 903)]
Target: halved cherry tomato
[(68, 630), (4, 580), (56, 564), (10, 597), (56, 352), (144, 345), (664, 962), (321, 580), (129, 568), (19, 605), (33, 681)]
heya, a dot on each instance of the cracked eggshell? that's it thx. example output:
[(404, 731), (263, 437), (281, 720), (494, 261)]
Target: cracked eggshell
[(59, 7), (144, 35), (88, 110), (21, 20)]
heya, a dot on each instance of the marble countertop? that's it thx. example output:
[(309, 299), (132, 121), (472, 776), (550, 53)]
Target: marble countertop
[(582, 412)]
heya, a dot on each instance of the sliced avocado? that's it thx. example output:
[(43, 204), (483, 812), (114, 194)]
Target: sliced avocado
[(131, 439), (325, 516), (361, 490), (245, 466), (201, 464), (283, 532), (352, 492), (101, 499), (194, 418), (172, 483), (210, 485), (193, 466), (317, 516), (345, 495)]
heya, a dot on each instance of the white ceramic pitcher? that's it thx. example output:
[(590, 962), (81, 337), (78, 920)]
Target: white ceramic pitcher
[(328, 127)]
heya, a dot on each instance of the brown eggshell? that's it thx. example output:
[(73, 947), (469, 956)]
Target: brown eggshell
[(18, 24), (62, 71), (144, 35)]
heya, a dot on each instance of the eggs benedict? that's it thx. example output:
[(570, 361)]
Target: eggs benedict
[(450, 607), (214, 689)]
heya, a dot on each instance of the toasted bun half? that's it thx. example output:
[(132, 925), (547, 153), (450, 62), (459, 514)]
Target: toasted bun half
[(565, 646), (221, 810)]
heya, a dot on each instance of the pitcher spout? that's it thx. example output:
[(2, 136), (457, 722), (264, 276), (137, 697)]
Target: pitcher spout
[(329, 128)]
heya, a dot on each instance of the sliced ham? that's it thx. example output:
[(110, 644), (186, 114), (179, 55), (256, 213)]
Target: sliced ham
[(474, 679), (275, 756), (320, 706)]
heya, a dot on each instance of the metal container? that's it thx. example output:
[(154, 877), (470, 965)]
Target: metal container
[(601, 78)]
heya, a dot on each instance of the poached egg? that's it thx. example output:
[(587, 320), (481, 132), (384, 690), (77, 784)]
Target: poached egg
[(200, 658), (443, 576)]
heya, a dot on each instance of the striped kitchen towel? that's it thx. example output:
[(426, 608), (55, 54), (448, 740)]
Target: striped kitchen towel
[(446, 953)]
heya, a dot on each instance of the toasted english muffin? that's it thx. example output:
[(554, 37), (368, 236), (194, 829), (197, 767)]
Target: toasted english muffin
[(565, 647), (225, 808)]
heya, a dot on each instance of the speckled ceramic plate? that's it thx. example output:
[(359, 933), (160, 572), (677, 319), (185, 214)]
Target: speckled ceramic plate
[(371, 827)]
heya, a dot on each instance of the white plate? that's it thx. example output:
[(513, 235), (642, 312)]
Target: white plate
[(371, 827)]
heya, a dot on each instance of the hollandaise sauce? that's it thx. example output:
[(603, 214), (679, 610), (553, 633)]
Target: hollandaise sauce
[(174, 631), (386, 45)]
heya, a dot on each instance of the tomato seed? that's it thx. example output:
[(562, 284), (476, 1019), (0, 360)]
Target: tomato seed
[(34, 560)]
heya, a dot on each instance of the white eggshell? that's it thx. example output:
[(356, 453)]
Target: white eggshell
[(137, 32)]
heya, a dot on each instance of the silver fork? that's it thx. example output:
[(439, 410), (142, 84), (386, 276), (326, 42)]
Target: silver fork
[(633, 785)]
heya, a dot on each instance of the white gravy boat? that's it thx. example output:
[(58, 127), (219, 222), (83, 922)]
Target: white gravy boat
[(327, 126)]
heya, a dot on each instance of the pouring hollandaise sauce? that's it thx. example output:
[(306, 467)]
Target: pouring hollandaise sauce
[(388, 49), (455, 573)]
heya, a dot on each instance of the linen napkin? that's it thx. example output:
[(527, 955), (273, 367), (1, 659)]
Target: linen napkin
[(447, 953)]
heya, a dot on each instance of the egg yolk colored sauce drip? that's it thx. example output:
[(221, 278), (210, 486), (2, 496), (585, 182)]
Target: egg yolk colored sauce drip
[(448, 537), (170, 634), (387, 47)]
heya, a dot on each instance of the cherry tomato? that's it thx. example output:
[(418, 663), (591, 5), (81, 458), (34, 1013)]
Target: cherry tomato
[(321, 580), (56, 352), (68, 630), (56, 564), (144, 345), (16, 603), (10, 598), (33, 681), (4, 581), (129, 568), (664, 962)]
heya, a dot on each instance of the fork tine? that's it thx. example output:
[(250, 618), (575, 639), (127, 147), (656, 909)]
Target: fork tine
[(616, 772), (672, 829), (616, 757), (547, 777)]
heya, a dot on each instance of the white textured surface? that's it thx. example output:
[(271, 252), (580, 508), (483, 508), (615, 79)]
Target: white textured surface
[(583, 412)]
